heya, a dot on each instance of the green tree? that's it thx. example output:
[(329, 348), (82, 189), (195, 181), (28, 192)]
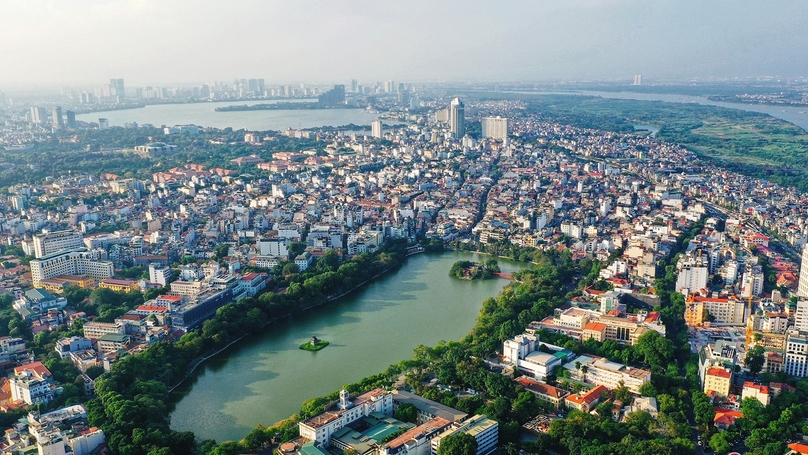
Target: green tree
[(406, 412), (720, 444), (754, 360), (296, 248), (656, 349), (222, 250), (290, 269), (458, 444)]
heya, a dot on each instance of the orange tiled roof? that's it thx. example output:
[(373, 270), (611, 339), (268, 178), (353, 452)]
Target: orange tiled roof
[(720, 372)]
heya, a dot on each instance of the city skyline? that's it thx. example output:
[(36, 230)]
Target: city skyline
[(147, 42)]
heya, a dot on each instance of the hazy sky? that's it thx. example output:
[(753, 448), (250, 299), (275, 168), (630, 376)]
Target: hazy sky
[(74, 42)]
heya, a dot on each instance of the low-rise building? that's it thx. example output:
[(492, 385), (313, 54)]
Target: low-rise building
[(320, 427), (416, 441), (543, 391), (65, 346), (718, 381), (484, 430), (113, 342), (118, 285), (757, 391), (585, 401), (601, 371), (96, 330), (523, 353), (427, 409)]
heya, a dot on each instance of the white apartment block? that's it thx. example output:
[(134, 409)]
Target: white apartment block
[(692, 278), (495, 128), (801, 316), (273, 247), (752, 281), (601, 371), (71, 262), (96, 330), (53, 242), (268, 262), (796, 358), (159, 274), (30, 389), (802, 287), (186, 288), (726, 311)]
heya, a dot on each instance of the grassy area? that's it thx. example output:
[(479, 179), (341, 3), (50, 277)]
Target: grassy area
[(750, 143), (320, 344)]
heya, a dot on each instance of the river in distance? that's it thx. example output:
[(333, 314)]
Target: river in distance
[(204, 114), (265, 378), (791, 114)]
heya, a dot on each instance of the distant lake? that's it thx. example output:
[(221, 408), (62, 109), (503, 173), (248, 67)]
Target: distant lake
[(204, 114)]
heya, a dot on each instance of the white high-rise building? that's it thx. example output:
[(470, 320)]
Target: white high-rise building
[(638, 79), (38, 115), (52, 242), (57, 119), (801, 316), (796, 358), (692, 278), (802, 288), (752, 281), (457, 118), (376, 129), (495, 128), (159, 274), (79, 261)]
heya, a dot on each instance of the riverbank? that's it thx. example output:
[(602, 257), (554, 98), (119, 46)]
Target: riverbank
[(280, 107)]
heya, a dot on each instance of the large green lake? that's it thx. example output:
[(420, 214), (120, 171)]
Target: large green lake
[(266, 378)]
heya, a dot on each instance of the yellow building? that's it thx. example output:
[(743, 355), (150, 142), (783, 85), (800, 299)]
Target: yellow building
[(119, 285), (718, 380), (595, 330), (83, 282)]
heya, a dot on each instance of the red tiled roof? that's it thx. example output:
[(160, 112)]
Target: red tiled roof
[(158, 309), (720, 372), (35, 367), (801, 449), (595, 326), (540, 387), (759, 387)]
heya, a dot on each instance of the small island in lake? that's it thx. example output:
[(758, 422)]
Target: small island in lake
[(314, 344), (467, 270)]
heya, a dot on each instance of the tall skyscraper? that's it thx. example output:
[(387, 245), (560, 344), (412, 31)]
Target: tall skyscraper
[(495, 128), (71, 119), (802, 288), (638, 79), (86, 98), (38, 115), (333, 97), (58, 121), (116, 88), (457, 118), (354, 84), (376, 128)]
